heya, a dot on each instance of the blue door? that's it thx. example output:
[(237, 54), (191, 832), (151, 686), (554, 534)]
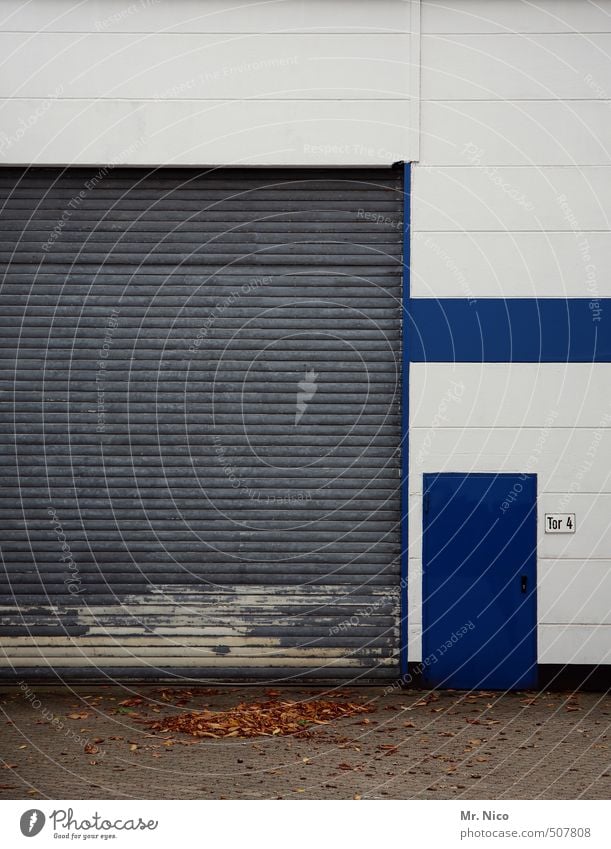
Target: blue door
[(479, 581)]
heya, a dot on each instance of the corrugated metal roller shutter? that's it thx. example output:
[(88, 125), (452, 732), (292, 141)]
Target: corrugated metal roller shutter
[(200, 423)]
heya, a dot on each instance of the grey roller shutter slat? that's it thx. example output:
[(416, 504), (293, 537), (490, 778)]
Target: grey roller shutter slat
[(200, 430)]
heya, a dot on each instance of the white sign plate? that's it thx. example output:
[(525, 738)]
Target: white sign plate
[(559, 523)]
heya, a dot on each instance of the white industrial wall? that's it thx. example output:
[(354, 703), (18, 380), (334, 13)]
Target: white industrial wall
[(507, 107), (512, 197), (185, 82)]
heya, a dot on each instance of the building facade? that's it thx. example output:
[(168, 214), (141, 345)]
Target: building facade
[(306, 348)]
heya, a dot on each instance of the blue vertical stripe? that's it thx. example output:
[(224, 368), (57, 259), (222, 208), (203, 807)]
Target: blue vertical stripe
[(406, 335)]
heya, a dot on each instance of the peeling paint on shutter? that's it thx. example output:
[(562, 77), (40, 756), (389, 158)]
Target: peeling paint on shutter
[(200, 423)]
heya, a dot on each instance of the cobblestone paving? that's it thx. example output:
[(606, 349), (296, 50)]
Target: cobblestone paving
[(80, 743)]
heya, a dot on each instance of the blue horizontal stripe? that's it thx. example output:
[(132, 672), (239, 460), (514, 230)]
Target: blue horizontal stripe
[(518, 330)]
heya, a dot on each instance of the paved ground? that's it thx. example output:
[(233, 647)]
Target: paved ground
[(80, 743)]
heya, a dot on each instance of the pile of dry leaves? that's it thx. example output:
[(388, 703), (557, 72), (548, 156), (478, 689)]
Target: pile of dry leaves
[(259, 718)]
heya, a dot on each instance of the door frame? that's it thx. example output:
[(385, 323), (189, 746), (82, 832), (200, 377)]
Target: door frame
[(404, 444), (426, 476)]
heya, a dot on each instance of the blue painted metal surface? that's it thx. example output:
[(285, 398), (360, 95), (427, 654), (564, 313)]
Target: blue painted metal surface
[(479, 581), (405, 337), (521, 330)]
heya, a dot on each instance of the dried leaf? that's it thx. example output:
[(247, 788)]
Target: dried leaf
[(270, 718)]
